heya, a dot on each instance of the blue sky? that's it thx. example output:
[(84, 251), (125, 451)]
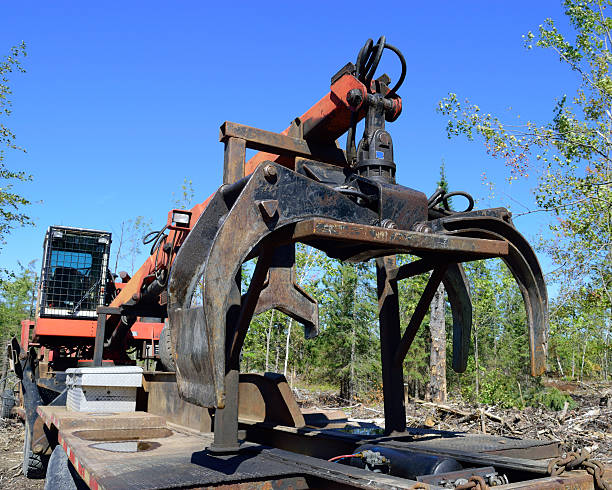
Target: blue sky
[(123, 100)]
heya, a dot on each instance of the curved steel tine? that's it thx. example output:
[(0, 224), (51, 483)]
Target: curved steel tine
[(509, 233), (457, 288), (529, 283), (188, 328)]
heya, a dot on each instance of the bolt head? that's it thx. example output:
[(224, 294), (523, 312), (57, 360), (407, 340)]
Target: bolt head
[(422, 228), (270, 173), (354, 97)]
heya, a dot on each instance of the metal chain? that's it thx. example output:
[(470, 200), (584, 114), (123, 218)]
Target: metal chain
[(476, 482), (574, 461)]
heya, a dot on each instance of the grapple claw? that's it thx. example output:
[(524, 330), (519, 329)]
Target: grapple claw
[(496, 224), (259, 220), (457, 288)]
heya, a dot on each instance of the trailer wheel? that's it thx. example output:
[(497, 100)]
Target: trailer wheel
[(61, 475), (33, 465), (166, 354)]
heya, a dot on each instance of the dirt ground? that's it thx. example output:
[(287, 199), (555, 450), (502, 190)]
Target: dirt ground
[(11, 446)]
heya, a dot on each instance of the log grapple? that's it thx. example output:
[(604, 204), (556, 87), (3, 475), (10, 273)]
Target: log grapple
[(302, 187)]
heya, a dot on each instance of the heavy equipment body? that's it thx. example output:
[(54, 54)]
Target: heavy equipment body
[(205, 424), (74, 282)]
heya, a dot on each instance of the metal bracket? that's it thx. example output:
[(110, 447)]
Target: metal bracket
[(282, 292)]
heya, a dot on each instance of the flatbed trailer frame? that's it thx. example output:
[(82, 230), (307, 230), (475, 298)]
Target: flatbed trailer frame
[(167, 455)]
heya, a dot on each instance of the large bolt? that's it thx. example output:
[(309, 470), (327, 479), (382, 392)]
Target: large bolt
[(270, 173), (354, 97), (422, 228), (388, 223)]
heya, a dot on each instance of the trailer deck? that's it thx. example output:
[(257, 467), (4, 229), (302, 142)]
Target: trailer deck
[(142, 451)]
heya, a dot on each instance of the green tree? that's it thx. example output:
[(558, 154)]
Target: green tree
[(17, 299), (570, 154), (11, 203), (348, 343), (497, 371)]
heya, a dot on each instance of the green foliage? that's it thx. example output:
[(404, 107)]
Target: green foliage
[(443, 182), (17, 293), (11, 203), (571, 157), (499, 360), (573, 149), (499, 389), (550, 397), (346, 354)]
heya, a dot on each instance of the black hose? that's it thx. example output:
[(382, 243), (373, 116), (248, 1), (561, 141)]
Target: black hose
[(369, 58), (155, 237)]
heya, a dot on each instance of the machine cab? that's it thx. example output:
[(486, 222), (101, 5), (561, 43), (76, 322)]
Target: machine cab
[(74, 272)]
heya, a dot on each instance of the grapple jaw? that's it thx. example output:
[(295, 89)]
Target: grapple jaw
[(265, 214), (302, 187), (496, 224), (236, 226)]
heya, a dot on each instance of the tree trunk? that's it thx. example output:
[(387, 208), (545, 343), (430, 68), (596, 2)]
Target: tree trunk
[(559, 365), (4, 352), (287, 347), (268, 337), (476, 363), (353, 335), (277, 356), (437, 359), (584, 344)]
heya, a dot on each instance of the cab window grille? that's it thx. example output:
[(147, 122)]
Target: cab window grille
[(74, 272)]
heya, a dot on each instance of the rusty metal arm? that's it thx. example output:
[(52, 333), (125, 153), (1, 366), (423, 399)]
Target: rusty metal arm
[(324, 122), (457, 289), (267, 141)]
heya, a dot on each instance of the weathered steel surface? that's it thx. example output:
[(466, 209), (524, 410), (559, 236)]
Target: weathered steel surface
[(457, 289), (573, 480), (476, 449), (233, 160), (420, 310), (522, 262), (163, 400), (178, 459), (282, 292), (391, 241), (390, 337), (268, 399), (213, 249), (267, 141)]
